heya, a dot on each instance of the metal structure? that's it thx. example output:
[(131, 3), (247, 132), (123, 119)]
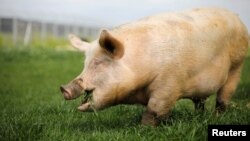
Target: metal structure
[(24, 31)]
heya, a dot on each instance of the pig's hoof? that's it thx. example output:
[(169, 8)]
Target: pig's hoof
[(220, 107), (152, 123), (150, 119)]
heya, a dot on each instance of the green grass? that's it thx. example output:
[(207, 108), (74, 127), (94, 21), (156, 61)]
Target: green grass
[(32, 107), (6, 41)]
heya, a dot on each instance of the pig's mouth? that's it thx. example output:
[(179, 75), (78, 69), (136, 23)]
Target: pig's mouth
[(87, 101), (87, 96)]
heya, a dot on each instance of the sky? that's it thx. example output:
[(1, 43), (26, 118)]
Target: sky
[(108, 13)]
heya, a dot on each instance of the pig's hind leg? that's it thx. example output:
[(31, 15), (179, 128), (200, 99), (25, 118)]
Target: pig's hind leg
[(199, 103), (226, 91)]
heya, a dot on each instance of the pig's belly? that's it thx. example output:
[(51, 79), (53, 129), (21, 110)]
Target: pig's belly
[(207, 80)]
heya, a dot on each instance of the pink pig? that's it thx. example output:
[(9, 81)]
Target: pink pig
[(160, 59)]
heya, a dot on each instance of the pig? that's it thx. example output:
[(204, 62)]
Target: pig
[(160, 59)]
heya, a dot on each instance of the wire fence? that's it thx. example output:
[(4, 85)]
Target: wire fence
[(24, 31)]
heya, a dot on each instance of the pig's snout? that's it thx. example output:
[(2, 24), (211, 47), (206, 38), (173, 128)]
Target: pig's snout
[(66, 92), (71, 91)]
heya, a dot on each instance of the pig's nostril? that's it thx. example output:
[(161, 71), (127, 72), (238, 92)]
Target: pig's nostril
[(66, 93), (63, 90)]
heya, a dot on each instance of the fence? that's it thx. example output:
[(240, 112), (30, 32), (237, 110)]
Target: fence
[(24, 31)]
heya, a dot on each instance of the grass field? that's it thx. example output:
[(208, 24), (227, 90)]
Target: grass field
[(32, 107)]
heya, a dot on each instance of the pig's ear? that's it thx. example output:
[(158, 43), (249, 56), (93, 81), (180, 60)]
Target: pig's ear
[(78, 43), (113, 47)]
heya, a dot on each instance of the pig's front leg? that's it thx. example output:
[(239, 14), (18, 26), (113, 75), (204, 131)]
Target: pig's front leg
[(159, 106)]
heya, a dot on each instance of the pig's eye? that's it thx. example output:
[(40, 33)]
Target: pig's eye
[(80, 80), (97, 62)]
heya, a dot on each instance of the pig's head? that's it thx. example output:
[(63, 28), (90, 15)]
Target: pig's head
[(100, 80)]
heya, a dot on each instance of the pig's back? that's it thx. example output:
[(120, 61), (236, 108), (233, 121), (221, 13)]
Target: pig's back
[(197, 35), (198, 47)]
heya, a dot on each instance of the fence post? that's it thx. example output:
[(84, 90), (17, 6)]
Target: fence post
[(14, 30), (27, 33)]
